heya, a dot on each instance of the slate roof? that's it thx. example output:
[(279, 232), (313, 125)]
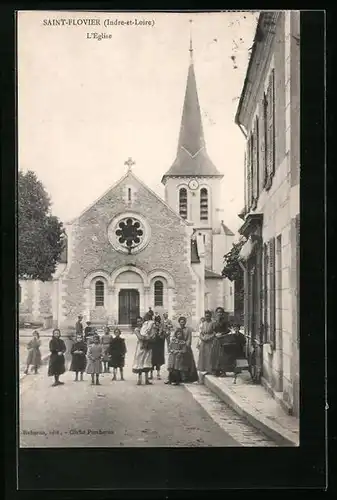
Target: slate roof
[(192, 158), (223, 228)]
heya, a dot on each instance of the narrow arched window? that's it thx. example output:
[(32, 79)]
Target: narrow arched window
[(99, 293), (158, 293), (129, 194), (203, 204), (183, 203), (19, 294)]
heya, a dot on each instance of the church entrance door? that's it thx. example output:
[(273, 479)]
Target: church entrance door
[(128, 308)]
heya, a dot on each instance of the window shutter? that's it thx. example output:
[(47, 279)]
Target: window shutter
[(265, 140), (265, 292), (249, 175), (262, 146), (272, 294), (255, 173), (270, 128)]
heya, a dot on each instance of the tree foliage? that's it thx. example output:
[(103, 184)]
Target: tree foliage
[(232, 269), (40, 234)]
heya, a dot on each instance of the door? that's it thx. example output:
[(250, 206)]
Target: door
[(128, 308)]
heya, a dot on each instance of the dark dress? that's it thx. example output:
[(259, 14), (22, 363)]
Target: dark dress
[(219, 355), (189, 374), (78, 361), (56, 361), (117, 351), (158, 348)]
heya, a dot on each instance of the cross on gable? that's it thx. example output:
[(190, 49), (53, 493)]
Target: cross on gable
[(129, 163)]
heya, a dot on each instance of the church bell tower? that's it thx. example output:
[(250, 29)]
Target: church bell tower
[(192, 184)]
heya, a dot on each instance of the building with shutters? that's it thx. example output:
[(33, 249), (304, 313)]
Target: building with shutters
[(269, 116), (131, 250)]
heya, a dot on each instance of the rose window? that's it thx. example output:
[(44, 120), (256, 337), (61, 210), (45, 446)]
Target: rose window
[(129, 233)]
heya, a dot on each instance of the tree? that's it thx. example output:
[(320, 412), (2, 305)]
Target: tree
[(233, 271), (40, 234)]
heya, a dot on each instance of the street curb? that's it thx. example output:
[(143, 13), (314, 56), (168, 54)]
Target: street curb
[(277, 433), (44, 361)]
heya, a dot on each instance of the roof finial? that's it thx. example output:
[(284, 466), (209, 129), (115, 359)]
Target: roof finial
[(191, 46), (129, 163)]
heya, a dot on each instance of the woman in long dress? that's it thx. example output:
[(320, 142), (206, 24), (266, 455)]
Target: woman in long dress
[(189, 373), (142, 362), (34, 354), (94, 357), (176, 361), (158, 348), (219, 355), (56, 359), (206, 344)]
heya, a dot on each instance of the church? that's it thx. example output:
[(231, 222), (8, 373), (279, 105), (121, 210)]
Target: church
[(131, 250)]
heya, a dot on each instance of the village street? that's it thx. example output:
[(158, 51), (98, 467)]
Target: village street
[(123, 414)]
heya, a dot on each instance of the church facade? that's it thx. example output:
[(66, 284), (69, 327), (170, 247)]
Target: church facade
[(131, 250)]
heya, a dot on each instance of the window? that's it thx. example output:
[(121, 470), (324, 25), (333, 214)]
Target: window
[(269, 128), (265, 292), (203, 204), (158, 293), (279, 281), (99, 293), (204, 238), (19, 294), (252, 167), (249, 173), (183, 203), (129, 194), (272, 298), (255, 162)]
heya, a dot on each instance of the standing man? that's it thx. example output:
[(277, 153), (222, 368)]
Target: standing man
[(150, 313), (79, 326)]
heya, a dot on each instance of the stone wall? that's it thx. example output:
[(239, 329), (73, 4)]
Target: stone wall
[(168, 248)]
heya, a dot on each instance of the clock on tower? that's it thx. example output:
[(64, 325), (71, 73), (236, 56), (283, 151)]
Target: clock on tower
[(193, 184)]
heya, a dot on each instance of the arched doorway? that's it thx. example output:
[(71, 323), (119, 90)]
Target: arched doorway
[(128, 306)]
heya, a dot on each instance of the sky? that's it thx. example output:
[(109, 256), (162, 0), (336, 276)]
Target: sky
[(86, 105)]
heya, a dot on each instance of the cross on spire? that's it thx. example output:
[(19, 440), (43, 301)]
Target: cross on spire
[(129, 163)]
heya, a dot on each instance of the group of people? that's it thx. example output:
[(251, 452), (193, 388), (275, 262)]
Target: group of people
[(219, 346), (152, 332)]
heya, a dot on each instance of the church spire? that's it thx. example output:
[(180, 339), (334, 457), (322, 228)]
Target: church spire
[(192, 158)]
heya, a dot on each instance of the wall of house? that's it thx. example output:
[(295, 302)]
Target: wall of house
[(280, 208)]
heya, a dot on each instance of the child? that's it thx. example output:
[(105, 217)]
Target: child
[(105, 341), (94, 357), (158, 348), (78, 361), (56, 360), (34, 354), (117, 351), (176, 363)]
